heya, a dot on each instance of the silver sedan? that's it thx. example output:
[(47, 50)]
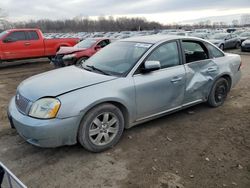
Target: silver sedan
[(225, 40), (127, 83)]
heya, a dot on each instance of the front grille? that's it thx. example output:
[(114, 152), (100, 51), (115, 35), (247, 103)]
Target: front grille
[(22, 103)]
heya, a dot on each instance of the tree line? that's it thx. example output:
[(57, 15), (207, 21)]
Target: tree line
[(90, 25)]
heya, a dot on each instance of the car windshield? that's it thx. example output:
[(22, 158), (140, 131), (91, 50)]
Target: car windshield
[(87, 43), (117, 58), (219, 36), (3, 33), (245, 34)]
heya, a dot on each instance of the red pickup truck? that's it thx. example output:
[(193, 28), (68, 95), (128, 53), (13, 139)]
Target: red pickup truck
[(29, 43)]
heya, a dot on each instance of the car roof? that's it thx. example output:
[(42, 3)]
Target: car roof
[(23, 29), (98, 38), (153, 39)]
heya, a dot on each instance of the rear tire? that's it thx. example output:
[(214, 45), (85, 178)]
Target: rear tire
[(101, 128), (218, 93)]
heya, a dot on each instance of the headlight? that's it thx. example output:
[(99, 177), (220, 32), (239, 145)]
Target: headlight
[(243, 44), (70, 56), (45, 108)]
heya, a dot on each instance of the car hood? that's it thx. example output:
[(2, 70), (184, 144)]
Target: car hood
[(215, 41), (244, 38), (69, 50), (60, 81), (247, 41)]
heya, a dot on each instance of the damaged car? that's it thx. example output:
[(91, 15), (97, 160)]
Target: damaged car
[(80, 52), (127, 83)]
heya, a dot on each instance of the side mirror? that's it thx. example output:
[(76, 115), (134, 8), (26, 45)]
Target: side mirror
[(151, 66), (8, 40), (98, 47)]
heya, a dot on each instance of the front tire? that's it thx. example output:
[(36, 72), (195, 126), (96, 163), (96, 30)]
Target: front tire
[(218, 93), (237, 46), (221, 47), (81, 60), (101, 128)]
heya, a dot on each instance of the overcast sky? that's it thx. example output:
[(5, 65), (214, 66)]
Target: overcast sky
[(164, 11)]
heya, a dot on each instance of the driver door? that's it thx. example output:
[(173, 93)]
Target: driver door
[(161, 90), (15, 49)]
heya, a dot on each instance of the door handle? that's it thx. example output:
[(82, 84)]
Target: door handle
[(212, 69), (26, 43), (176, 79)]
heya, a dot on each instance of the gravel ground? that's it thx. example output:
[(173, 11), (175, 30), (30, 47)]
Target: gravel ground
[(197, 147)]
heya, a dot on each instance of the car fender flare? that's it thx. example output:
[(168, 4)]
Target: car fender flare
[(62, 45), (227, 76), (116, 102)]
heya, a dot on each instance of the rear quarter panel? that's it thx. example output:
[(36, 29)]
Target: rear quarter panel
[(230, 65)]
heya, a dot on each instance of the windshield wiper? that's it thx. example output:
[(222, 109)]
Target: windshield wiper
[(99, 70)]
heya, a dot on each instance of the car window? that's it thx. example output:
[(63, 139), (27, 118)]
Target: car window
[(167, 54), (17, 35), (214, 52), (118, 58), (32, 35), (3, 33), (103, 43), (194, 51), (228, 37), (87, 43)]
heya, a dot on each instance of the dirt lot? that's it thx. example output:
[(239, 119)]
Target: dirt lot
[(198, 147)]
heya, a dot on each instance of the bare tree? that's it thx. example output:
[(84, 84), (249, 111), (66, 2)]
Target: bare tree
[(235, 23), (3, 21), (88, 25)]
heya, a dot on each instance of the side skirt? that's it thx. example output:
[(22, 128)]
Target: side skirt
[(166, 112)]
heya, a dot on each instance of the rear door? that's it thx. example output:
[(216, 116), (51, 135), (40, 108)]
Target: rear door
[(230, 41), (234, 40), (14, 45), (34, 45), (161, 90), (200, 71)]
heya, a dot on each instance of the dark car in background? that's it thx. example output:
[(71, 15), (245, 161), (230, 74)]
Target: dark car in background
[(225, 40), (245, 46), (245, 35), (80, 52)]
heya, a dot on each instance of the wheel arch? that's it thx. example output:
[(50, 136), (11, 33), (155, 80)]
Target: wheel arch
[(228, 78), (118, 104), (62, 45)]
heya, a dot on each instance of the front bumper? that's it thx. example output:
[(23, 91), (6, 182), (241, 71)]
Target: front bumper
[(61, 61), (245, 48), (44, 133)]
